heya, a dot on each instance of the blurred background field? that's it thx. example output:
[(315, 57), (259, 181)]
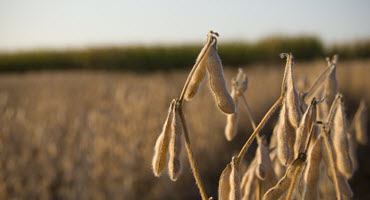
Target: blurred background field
[(90, 134), (165, 57)]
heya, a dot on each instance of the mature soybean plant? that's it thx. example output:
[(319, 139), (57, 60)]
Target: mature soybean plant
[(312, 150)]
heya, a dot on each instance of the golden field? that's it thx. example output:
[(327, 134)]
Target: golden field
[(91, 134)]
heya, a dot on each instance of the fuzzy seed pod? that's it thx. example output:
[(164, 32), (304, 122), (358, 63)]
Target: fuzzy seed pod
[(162, 143), (250, 186), (360, 123), (279, 169), (303, 131), (322, 108), (264, 165), (344, 187), (235, 193), (244, 181), (199, 73), (353, 150), (231, 128), (312, 171), (175, 148), (282, 186), (224, 187), (282, 137), (292, 97), (331, 82), (217, 81), (340, 141), (318, 86), (241, 81)]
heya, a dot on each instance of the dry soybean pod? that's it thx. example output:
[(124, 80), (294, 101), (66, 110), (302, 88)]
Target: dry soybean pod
[(360, 123), (217, 81), (331, 82), (200, 72), (308, 118), (232, 119), (292, 97), (162, 143), (340, 141), (282, 137), (234, 179), (284, 183), (175, 147), (264, 164), (352, 145), (250, 187), (244, 181), (312, 171), (318, 85), (224, 184)]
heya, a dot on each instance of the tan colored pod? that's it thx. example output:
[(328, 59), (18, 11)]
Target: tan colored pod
[(318, 85), (162, 143), (283, 185), (224, 184), (360, 123), (282, 137), (303, 131), (292, 98), (264, 165), (250, 187), (244, 181), (235, 193), (312, 171), (241, 81), (340, 141), (353, 149), (200, 72), (331, 82), (175, 148), (231, 128), (217, 81)]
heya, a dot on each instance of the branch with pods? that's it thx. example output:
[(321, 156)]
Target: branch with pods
[(309, 140)]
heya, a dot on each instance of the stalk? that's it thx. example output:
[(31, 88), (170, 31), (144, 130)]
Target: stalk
[(189, 151), (249, 112), (193, 164), (258, 128)]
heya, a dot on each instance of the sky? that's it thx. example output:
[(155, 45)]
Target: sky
[(31, 24)]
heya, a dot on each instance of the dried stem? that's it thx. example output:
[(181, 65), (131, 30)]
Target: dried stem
[(191, 158), (193, 164), (259, 127), (267, 115), (249, 112)]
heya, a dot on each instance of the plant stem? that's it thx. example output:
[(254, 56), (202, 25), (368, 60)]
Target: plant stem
[(193, 165), (191, 157), (249, 112), (259, 127)]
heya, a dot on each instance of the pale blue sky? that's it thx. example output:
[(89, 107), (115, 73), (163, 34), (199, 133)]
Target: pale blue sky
[(28, 24)]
